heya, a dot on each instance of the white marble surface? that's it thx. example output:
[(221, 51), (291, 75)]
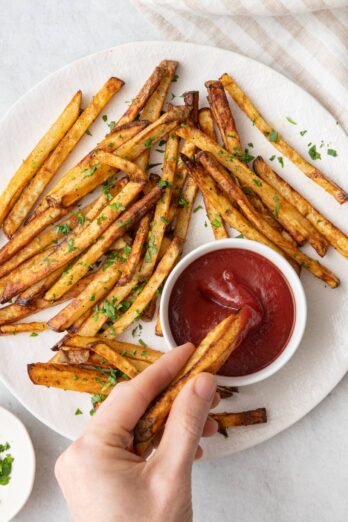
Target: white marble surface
[(301, 475)]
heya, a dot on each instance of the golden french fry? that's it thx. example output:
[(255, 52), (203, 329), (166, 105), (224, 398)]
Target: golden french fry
[(246, 105), (243, 418), (158, 327), (160, 219), (38, 155), (129, 350), (112, 160), (142, 97), (289, 217), (38, 183), (139, 305), (150, 310), (334, 235), (209, 356), (188, 197), (117, 360), (223, 116), (154, 105), (133, 260), (14, 329), (69, 377)]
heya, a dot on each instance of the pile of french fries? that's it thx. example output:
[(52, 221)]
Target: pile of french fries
[(106, 236)]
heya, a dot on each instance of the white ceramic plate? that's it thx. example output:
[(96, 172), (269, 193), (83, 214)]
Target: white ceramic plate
[(16, 493), (322, 358)]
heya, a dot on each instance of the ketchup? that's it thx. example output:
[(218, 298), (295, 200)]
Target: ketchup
[(222, 282)]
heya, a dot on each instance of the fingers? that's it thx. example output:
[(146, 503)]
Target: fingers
[(120, 412), (185, 424)]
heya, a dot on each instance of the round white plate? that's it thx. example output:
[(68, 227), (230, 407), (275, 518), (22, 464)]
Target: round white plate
[(16, 493), (322, 358)]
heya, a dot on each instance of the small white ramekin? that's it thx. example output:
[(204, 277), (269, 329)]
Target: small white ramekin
[(288, 273)]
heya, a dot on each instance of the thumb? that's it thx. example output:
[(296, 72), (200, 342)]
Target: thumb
[(185, 424)]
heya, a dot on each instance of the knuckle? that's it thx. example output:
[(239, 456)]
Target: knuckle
[(192, 424)]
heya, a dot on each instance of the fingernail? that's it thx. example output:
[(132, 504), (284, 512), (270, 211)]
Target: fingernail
[(205, 386)]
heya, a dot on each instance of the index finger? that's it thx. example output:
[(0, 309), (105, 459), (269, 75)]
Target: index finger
[(128, 401)]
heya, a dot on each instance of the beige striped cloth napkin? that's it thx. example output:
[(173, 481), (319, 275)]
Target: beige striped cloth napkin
[(306, 40)]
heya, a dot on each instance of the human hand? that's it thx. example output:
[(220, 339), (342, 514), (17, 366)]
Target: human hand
[(102, 479)]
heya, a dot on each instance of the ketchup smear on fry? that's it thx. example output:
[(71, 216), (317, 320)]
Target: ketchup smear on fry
[(222, 282)]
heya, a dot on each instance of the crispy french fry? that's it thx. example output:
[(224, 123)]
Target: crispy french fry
[(209, 356), (246, 105), (14, 329), (226, 392), (334, 235), (101, 284), (89, 173), (158, 327), (38, 155), (160, 219), (29, 232), (289, 217), (133, 260), (90, 359), (131, 351), (111, 234), (188, 197), (112, 160), (139, 305), (69, 377), (242, 418), (38, 183), (154, 105), (142, 97), (206, 123), (117, 360), (75, 327), (223, 116)]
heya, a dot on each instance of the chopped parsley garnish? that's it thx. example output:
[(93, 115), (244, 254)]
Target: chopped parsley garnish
[(280, 161), (81, 218), (34, 334), (272, 157), (303, 132), (111, 125), (199, 207), (78, 412), (257, 182), (216, 222), (272, 136), (164, 184), (92, 297), (314, 154), (104, 117), (276, 206), (291, 121), (161, 143), (71, 246), (142, 343), (90, 171), (182, 202), (106, 189), (240, 236), (164, 220), (247, 191), (100, 219), (245, 157), (117, 206), (153, 165), (5, 465), (332, 152), (175, 78), (62, 229), (251, 145), (148, 143)]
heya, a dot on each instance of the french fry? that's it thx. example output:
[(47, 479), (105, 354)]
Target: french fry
[(154, 105), (69, 377), (188, 197), (139, 305), (133, 260), (14, 329), (242, 418), (75, 327), (117, 360), (289, 217), (223, 116), (38, 183), (160, 219), (90, 359), (226, 392), (134, 172), (101, 284), (111, 234), (89, 173), (246, 105), (158, 327), (142, 97), (29, 232), (38, 155), (209, 356), (129, 350), (206, 124), (334, 235)]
